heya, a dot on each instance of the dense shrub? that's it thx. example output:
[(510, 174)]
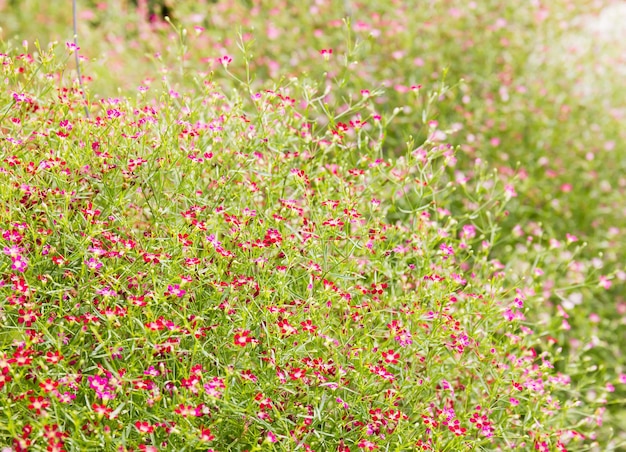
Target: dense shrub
[(517, 170), (212, 270)]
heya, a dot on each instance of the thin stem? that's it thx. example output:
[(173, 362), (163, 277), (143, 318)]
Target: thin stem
[(80, 78)]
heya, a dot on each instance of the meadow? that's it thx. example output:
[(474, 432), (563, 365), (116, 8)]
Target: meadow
[(320, 226)]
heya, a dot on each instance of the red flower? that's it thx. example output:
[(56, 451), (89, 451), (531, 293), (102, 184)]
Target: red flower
[(391, 356), (27, 317), (285, 328), (308, 326), (457, 429), (333, 222), (205, 434), (297, 373), (243, 338), (151, 258), (378, 288), (49, 385), (59, 260), (22, 358), (185, 410), (144, 427), (4, 377), (273, 236), (101, 410), (38, 404)]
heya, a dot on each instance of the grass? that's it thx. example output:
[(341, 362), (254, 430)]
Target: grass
[(325, 226)]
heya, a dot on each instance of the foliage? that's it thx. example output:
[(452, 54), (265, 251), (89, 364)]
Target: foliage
[(299, 236)]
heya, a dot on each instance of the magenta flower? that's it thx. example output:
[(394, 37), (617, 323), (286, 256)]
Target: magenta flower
[(175, 290), (447, 250), (270, 437), (326, 53), (20, 264), (13, 251), (225, 60), (93, 264)]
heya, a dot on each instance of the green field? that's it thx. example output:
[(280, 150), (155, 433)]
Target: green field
[(326, 225)]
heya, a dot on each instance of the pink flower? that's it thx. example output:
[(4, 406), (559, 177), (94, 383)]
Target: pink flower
[(510, 192), (225, 60), (65, 397), (605, 282), (468, 232), (148, 448), (93, 264), (20, 97), (271, 438), (367, 445), (326, 53), (404, 338), (19, 263), (13, 251), (175, 290), (333, 222), (447, 250)]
